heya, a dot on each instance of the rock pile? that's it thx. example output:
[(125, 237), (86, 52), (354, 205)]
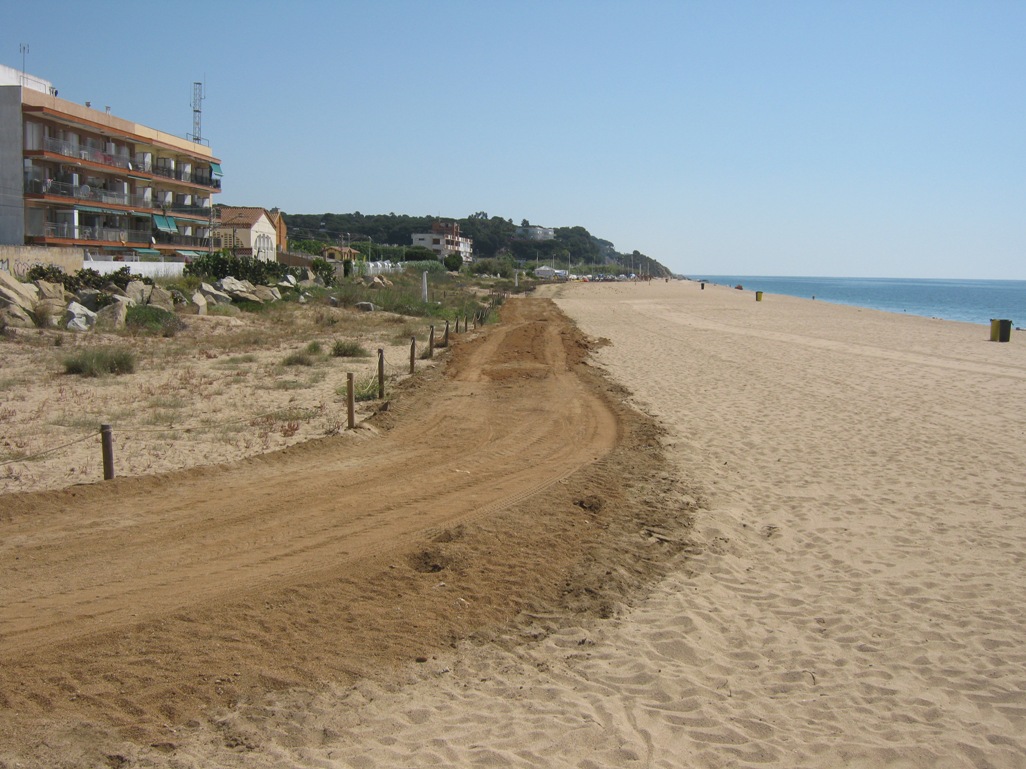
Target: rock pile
[(44, 304)]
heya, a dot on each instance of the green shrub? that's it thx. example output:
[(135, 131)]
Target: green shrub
[(347, 349), (298, 359), (324, 270), (224, 264), (86, 277), (94, 363), (314, 348), (51, 273), (145, 318), (224, 310)]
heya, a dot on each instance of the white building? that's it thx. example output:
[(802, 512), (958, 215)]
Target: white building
[(445, 239), (247, 232), (533, 232)]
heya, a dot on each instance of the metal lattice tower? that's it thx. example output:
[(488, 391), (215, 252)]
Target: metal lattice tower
[(197, 112)]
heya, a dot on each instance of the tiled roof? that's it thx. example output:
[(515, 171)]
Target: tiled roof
[(240, 216)]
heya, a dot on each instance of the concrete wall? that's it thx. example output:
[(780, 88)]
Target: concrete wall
[(12, 167), (17, 260)]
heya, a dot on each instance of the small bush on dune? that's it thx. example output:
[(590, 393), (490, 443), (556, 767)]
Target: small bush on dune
[(146, 318), (298, 359), (94, 363), (347, 349)]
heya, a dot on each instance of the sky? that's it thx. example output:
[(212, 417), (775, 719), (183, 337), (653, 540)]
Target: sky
[(823, 138)]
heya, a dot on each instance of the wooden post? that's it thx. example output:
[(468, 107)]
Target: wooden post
[(351, 400), (107, 444), (413, 353), (446, 342), (431, 342), (381, 374)]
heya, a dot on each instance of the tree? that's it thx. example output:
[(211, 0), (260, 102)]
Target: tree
[(453, 262)]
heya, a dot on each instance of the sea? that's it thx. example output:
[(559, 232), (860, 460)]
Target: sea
[(970, 301)]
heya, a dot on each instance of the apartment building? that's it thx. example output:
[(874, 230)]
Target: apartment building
[(445, 239), (72, 175)]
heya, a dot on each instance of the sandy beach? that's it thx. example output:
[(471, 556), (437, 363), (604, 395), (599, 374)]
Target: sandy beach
[(850, 595)]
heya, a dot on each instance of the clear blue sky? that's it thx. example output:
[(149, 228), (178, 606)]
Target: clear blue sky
[(769, 138)]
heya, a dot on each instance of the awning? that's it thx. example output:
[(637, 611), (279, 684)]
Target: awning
[(148, 251), (215, 169), (165, 223), (190, 254), (91, 210), (138, 178)]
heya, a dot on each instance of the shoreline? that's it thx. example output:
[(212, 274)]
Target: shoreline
[(921, 299)]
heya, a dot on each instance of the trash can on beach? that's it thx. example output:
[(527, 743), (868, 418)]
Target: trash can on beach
[(1000, 330), (758, 296)]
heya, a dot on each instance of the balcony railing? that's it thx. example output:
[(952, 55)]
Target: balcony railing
[(125, 161), (80, 192), (81, 152), (191, 177), (203, 211), (169, 239), (68, 231)]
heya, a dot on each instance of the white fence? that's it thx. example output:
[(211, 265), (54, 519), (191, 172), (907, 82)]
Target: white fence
[(146, 269)]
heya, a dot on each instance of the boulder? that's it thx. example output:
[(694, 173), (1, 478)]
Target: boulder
[(161, 298), (288, 281), (230, 285), (49, 311), (15, 293), (114, 290), (49, 290), (78, 318), (267, 293), (199, 302), (88, 298), (125, 300), (14, 316), (212, 295), (239, 290), (366, 306), (138, 291), (113, 316)]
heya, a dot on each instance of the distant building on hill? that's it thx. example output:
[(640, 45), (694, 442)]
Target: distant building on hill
[(445, 239), (533, 232), (74, 176)]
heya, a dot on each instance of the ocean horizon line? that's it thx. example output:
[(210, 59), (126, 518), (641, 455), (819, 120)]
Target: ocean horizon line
[(970, 300)]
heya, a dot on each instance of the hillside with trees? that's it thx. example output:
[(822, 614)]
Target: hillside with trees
[(388, 236)]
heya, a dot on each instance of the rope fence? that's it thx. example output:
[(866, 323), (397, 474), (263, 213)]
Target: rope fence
[(386, 371)]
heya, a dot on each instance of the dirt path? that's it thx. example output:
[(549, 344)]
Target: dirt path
[(147, 603)]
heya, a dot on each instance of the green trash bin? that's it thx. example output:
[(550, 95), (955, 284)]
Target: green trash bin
[(1000, 330), (758, 296)]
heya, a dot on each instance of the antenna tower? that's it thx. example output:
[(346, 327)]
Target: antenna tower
[(198, 96), (23, 48)]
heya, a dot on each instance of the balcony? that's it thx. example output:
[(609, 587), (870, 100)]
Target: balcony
[(91, 154), (80, 192), (175, 239), (196, 211), (190, 177), (68, 231)]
